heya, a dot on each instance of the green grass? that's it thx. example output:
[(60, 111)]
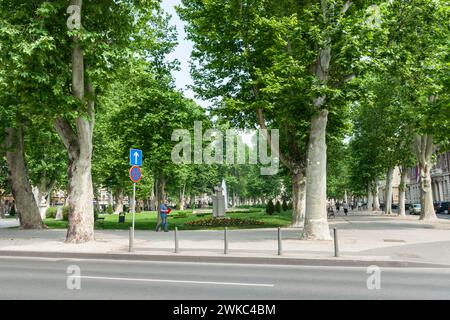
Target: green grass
[(147, 221)]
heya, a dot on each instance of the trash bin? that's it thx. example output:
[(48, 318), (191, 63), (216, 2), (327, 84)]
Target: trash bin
[(122, 217)]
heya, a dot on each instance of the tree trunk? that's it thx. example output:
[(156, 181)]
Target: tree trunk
[(298, 198), (161, 194), (369, 198), (402, 192), (376, 197), (316, 223), (78, 143), (424, 147), (388, 194), (27, 209), (2, 207), (153, 198), (81, 209), (181, 197), (118, 195)]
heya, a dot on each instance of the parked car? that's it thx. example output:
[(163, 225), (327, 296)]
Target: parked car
[(415, 208), (393, 206), (442, 207)]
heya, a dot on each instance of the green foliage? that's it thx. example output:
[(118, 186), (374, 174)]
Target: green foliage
[(290, 205), (51, 213), (284, 206), (65, 213), (278, 206), (109, 209), (270, 208)]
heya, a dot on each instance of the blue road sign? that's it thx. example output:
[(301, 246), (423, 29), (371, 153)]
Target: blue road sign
[(135, 157)]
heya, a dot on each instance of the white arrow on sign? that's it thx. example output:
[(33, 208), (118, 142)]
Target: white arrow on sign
[(136, 156)]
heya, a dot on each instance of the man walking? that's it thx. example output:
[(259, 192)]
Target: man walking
[(163, 211), (345, 207)]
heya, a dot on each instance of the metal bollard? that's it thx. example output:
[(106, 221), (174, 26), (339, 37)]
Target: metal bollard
[(225, 249), (280, 246), (176, 240), (336, 245), (130, 249)]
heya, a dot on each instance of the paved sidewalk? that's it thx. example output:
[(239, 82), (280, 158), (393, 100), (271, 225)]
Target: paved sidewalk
[(363, 236)]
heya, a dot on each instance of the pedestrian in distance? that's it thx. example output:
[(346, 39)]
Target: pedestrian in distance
[(345, 207), (163, 211), (337, 207)]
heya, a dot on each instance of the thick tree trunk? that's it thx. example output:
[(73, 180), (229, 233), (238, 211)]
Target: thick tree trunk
[(316, 223), (424, 147), (298, 198), (119, 201), (369, 198), (388, 195), (81, 209), (26, 206), (376, 196), (402, 193)]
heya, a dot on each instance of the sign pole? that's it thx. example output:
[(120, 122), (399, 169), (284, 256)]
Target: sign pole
[(134, 203), (133, 210)]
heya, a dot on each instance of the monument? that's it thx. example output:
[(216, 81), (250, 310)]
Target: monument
[(218, 203), (225, 193)]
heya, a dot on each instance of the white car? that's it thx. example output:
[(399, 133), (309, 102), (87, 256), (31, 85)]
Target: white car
[(415, 208)]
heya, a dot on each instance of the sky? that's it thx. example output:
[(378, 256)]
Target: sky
[(182, 52)]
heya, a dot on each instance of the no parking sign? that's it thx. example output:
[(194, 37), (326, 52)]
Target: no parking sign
[(135, 174)]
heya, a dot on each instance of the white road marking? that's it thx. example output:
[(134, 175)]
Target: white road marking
[(181, 281)]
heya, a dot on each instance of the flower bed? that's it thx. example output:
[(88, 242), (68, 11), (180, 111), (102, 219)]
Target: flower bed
[(223, 222)]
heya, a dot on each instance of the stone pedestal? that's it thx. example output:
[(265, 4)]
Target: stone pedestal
[(218, 203), (59, 213)]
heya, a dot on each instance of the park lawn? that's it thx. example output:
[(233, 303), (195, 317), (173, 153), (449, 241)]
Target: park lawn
[(147, 221)]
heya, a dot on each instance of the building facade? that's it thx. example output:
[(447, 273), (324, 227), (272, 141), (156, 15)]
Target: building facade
[(440, 180)]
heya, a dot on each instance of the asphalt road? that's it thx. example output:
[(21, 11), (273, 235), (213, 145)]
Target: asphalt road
[(37, 278)]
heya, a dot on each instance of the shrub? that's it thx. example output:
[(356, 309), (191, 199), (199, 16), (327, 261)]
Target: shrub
[(270, 208), (226, 222), (65, 213), (278, 206), (290, 205), (284, 206), (109, 209), (51, 213)]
